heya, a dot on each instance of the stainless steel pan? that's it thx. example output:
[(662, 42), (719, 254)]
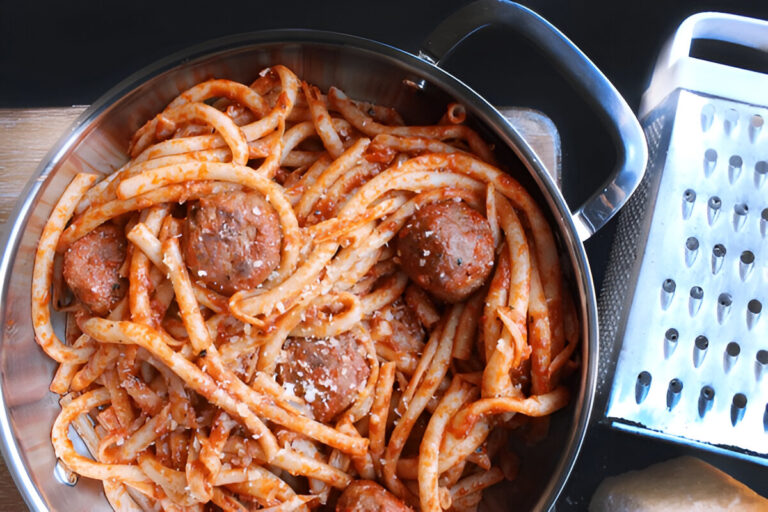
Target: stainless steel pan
[(419, 89)]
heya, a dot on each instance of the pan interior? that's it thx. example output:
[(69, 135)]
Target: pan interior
[(381, 75)]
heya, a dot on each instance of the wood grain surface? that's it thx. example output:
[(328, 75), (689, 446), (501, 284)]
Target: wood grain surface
[(10, 499), (26, 135)]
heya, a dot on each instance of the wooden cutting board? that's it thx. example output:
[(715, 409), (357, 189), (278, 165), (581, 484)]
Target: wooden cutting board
[(26, 135)]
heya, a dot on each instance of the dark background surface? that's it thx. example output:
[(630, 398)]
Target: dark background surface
[(65, 53)]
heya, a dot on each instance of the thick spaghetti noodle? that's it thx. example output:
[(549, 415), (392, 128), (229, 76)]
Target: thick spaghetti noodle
[(283, 295)]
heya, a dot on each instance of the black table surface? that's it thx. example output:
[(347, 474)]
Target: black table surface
[(69, 53)]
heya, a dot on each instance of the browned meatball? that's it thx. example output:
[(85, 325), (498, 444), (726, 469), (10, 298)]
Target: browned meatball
[(91, 268), (232, 241), (447, 249), (328, 373), (397, 326), (368, 496)]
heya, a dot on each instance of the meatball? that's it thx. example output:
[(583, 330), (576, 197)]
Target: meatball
[(447, 249), (368, 496), (397, 326), (231, 241), (92, 268), (328, 373)]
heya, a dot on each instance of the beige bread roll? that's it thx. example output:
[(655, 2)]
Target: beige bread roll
[(681, 484)]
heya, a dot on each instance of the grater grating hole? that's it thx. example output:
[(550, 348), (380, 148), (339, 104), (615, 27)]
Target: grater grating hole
[(694, 302), (732, 351), (697, 293), (746, 262), (740, 212), (670, 342), (761, 364), (642, 386), (723, 306), (667, 292), (731, 120), (754, 308), (706, 397), (738, 405), (700, 349), (765, 418), (755, 125), (710, 159), (718, 255), (691, 250), (707, 115), (761, 170), (689, 197), (734, 167), (764, 222), (713, 209), (673, 392)]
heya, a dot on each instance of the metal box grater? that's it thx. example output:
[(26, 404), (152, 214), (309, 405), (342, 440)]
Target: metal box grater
[(688, 279)]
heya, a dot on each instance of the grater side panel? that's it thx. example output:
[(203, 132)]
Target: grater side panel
[(629, 243), (693, 364)]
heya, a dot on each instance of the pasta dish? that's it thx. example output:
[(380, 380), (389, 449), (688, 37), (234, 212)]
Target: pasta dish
[(288, 299)]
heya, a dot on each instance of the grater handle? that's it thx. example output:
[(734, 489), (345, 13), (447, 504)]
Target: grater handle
[(676, 69), (632, 153)]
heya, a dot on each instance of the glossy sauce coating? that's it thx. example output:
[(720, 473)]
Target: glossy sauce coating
[(91, 268), (447, 249), (231, 241)]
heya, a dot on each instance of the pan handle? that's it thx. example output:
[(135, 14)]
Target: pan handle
[(628, 138)]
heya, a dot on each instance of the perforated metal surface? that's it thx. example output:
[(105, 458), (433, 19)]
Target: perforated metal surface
[(688, 309)]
